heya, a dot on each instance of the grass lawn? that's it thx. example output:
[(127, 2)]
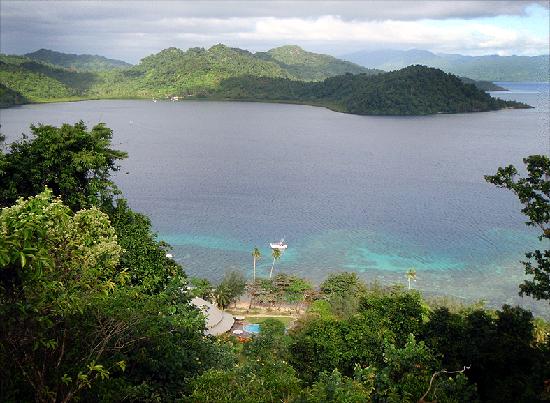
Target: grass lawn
[(259, 319)]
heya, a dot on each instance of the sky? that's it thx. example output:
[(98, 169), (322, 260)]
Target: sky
[(131, 30)]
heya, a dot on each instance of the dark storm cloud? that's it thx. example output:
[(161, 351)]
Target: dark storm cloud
[(373, 10)]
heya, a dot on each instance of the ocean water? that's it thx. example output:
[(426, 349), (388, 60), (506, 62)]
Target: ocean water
[(375, 195)]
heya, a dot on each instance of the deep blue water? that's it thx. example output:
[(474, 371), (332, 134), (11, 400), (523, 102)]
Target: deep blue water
[(376, 195)]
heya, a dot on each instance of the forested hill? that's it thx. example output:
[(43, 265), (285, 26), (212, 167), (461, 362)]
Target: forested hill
[(76, 62), (223, 72), (415, 90), (308, 66), (488, 67)]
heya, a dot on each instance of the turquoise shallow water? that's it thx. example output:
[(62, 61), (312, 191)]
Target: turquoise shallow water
[(376, 195)]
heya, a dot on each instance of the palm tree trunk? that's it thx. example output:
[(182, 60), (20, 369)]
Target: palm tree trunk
[(272, 265)]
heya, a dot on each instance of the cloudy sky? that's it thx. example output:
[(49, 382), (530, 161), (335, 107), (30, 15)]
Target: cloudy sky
[(130, 30)]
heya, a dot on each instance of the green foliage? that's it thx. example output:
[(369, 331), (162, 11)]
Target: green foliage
[(73, 162), (144, 258), (342, 284), (316, 347), (270, 344), (281, 289), (9, 97), (201, 288), (230, 289), (163, 349), (533, 192), (333, 387), (283, 74), (38, 82), (404, 312), (343, 291), (76, 62), (415, 90), (54, 267), (264, 381), (504, 360), (308, 66)]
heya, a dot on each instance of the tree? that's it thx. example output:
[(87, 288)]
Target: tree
[(201, 288), (143, 255), (75, 327), (230, 289), (54, 266), (411, 275), (334, 387), (343, 291), (73, 162), (270, 344), (533, 191), (264, 381), (256, 255), (276, 254)]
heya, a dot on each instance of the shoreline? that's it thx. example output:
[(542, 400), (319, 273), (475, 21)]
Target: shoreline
[(332, 106)]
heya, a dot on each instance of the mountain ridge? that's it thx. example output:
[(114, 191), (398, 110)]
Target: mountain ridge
[(487, 67), (78, 62)]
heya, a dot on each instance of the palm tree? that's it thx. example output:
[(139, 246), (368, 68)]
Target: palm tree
[(222, 297), (276, 254), (256, 255), (411, 275)]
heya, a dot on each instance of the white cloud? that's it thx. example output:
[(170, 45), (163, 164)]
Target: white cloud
[(132, 30)]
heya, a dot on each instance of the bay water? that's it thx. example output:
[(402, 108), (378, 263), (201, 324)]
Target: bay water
[(374, 195)]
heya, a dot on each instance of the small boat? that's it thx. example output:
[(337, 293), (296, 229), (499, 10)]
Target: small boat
[(281, 245)]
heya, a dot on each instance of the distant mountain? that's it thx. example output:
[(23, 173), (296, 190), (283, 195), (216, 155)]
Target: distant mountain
[(308, 66), (489, 68), (483, 85), (76, 62)]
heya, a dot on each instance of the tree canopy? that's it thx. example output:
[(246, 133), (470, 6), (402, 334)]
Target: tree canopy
[(533, 192)]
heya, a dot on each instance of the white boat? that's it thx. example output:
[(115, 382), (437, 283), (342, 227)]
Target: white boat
[(281, 245)]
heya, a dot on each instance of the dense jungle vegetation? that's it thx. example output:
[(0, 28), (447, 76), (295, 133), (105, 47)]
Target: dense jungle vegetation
[(285, 74), (93, 310), (76, 62)]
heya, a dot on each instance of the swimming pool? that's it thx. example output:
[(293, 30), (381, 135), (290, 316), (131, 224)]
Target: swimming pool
[(252, 328)]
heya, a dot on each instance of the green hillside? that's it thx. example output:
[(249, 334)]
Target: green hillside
[(228, 73), (9, 97), (193, 72), (415, 90), (308, 66), (76, 62)]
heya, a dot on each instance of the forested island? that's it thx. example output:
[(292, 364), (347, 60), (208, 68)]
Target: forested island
[(284, 74), (93, 309)]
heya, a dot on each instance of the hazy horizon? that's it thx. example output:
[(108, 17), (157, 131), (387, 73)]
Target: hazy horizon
[(290, 44), (130, 30)]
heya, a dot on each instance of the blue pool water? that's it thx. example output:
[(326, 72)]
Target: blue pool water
[(252, 328)]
